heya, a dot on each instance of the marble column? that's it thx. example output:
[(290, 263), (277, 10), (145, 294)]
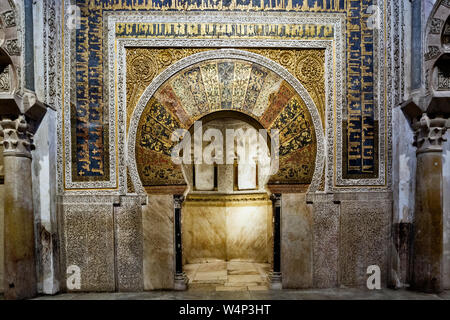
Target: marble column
[(180, 277), (427, 269), (275, 275), (19, 246)]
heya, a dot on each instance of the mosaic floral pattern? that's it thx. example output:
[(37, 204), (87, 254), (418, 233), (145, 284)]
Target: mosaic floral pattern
[(225, 84)]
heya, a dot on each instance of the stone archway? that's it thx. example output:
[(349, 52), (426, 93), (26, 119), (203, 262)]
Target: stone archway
[(161, 108), (241, 55)]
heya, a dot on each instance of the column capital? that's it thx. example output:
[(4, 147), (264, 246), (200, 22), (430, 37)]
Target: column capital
[(178, 200), (17, 140), (429, 133), (276, 199)]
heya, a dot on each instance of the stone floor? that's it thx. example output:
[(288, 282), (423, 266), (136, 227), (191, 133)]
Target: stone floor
[(227, 276), (245, 281), (309, 294)]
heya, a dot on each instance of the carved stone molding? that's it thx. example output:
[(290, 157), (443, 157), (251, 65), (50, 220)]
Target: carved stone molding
[(429, 133), (17, 140)]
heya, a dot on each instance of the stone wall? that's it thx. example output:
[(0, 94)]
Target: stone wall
[(44, 204)]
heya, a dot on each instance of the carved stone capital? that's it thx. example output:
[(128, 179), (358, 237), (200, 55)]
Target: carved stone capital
[(178, 200), (276, 199), (17, 140), (429, 133)]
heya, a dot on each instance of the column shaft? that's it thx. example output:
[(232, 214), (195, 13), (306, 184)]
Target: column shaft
[(178, 244), (276, 239), (428, 216), (19, 245), (275, 276), (180, 278), (428, 223)]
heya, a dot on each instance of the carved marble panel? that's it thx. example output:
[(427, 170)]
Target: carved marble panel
[(364, 240), (9, 18), (325, 244), (129, 244), (88, 242)]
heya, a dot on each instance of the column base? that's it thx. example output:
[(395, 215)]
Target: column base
[(275, 281), (181, 281)]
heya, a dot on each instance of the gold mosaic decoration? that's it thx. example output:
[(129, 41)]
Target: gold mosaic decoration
[(144, 64), (307, 65)]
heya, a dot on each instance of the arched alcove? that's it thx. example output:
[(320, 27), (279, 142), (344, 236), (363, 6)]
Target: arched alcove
[(192, 88)]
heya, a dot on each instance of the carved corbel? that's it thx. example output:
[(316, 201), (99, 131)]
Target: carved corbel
[(13, 106), (20, 117), (33, 109)]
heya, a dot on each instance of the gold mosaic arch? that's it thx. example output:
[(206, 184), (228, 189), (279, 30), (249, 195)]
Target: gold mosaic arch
[(144, 64), (225, 84)]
